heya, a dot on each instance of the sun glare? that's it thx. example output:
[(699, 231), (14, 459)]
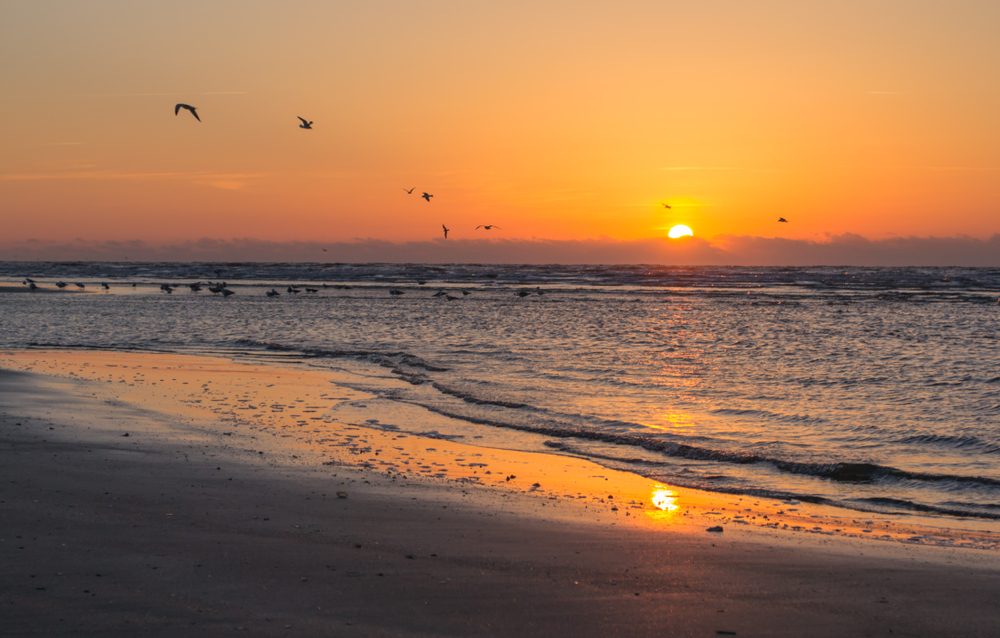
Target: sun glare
[(664, 500), (680, 230)]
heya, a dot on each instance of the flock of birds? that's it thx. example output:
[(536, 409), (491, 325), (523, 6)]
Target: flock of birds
[(307, 125), (221, 288)]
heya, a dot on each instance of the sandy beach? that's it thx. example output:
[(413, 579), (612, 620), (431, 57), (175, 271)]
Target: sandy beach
[(156, 494)]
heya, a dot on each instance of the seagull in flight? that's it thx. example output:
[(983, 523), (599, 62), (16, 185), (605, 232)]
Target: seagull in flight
[(667, 206), (488, 227), (409, 191), (188, 107), (427, 196), (782, 220), (306, 124), (445, 229)]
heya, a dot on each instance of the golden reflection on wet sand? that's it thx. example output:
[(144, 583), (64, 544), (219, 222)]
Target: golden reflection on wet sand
[(666, 503)]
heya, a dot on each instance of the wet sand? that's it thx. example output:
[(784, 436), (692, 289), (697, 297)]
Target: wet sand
[(215, 516)]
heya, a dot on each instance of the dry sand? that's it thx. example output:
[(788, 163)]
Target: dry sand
[(239, 503)]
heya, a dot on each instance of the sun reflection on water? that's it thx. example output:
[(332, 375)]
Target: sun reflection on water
[(665, 502)]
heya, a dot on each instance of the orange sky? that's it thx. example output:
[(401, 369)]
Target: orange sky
[(554, 120)]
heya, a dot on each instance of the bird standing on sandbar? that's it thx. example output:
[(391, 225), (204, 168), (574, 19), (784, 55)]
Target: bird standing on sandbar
[(445, 229), (427, 196), (306, 124), (188, 107)]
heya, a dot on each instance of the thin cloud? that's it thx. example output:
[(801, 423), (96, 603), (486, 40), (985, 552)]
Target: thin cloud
[(703, 168), (840, 250), (105, 175), (161, 94)]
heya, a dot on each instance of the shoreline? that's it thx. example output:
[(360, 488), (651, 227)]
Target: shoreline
[(310, 418), (198, 519)]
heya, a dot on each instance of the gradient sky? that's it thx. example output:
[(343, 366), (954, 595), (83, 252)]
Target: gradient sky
[(555, 120)]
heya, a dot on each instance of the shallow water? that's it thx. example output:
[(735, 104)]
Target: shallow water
[(875, 389)]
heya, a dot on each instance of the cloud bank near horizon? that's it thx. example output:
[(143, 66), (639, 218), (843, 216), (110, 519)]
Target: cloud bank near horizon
[(837, 250)]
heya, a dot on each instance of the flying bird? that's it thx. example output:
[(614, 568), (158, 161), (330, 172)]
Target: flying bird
[(427, 196), (188, 107), (488, 227), (445, 229), (409, 191), (667, 206), (306, 124), (782, 220)]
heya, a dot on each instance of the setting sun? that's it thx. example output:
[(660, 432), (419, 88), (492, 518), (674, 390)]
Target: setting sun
[(680, 230)]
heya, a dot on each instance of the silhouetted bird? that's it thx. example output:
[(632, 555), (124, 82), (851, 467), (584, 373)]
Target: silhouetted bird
[(667, 206), (272, 293), (226, 292), (306, 124), (488, 227), (445, 229), (105, 286), (187, 107), (195, 287), (409, 191), (782, 220), (395, 292), (60, 284), (32, 286), (80, 286), (427, 196)]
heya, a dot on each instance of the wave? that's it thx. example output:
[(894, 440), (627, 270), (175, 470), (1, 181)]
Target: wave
[(770, 416), (394, 360), (892, 284), (965, 510), (954, 442)]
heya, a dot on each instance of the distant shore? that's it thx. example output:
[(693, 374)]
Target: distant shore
[(163, 494)]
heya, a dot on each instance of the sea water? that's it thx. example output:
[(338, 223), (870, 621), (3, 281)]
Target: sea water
[(876, 389)]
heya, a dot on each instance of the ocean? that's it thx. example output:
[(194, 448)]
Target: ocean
[(873, 389)]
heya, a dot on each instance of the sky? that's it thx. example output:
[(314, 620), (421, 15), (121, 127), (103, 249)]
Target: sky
[(566, 124)]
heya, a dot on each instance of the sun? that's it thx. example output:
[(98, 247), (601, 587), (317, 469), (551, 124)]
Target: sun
[(680, 230)]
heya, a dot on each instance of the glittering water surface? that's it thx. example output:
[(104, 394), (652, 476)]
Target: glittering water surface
[(876, 389)]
